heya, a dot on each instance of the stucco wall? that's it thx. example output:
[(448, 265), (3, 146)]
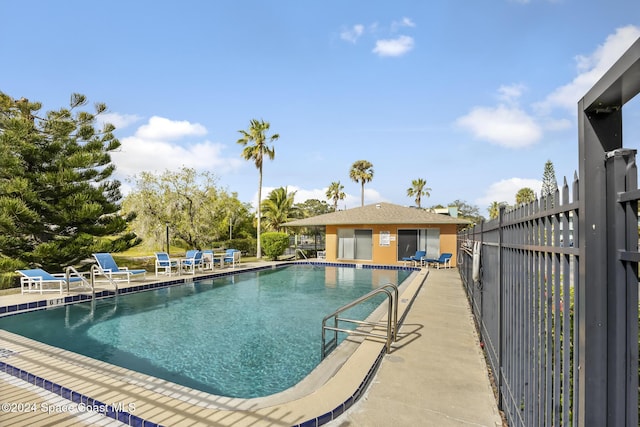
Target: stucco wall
[(388, 254)]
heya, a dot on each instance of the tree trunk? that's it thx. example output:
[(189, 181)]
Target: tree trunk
[(259, 248)]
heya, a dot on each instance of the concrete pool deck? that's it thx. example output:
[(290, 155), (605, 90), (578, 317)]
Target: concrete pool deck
[(434, 375)]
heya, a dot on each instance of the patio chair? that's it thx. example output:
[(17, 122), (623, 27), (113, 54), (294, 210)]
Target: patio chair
[(164, 262), (232, 256), (444, 261), (210, 258), (192, 260), (36, 279), (107, 266), (419, 257)]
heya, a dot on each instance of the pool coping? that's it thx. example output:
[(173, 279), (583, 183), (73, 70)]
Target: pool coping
[(84, 382)]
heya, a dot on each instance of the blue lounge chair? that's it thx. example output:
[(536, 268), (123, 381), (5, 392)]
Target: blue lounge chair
[(36, 279), (192, 260), (163, 262), (415, 259), (444, 261), (108, 267)]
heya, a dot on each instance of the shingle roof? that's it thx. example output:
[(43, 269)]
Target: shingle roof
[(379, 213)]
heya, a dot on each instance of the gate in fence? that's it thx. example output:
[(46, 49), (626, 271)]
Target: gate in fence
[(555, 291)]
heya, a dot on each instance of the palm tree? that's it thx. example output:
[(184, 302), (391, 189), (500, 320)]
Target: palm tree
[(256, 134), (494, 209), (362, 172), (278, 208), (335, 193), (525, 195), (418, 190)]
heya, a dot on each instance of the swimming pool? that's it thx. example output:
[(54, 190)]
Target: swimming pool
[(246, 335)]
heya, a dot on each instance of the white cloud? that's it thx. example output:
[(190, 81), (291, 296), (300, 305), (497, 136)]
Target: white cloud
[(151, 150), (407, 22), (165, 129), (511, 93), (394, 47), (505, 126), (120, 121), (404, 22), (354, 200), (302, 195), (554, 125), (590, 69), (511, 126), (505, 191), (352, 34)]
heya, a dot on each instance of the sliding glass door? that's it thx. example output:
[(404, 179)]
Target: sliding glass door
[(421, 239), (355, 244), (407, 243)]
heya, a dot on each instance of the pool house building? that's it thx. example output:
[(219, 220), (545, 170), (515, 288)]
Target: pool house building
[(384, 233)]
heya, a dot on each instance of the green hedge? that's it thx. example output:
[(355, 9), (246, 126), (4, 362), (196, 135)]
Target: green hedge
[(274, 244), (247, 246)]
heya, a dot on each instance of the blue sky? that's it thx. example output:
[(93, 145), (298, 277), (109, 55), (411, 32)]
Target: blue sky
[(472, 96)]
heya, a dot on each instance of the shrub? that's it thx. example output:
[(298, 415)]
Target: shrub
[(245, 245), (274, 244)]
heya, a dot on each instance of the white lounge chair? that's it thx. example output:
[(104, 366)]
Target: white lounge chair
[(39, 281)]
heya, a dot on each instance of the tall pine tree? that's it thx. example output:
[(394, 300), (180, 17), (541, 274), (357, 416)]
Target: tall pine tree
[(549, 182), (56, 196)]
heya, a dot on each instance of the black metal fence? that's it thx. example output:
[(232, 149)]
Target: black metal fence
[(523, 303), (555, 296)]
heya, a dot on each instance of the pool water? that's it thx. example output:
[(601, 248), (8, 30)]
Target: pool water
[(247, 335)]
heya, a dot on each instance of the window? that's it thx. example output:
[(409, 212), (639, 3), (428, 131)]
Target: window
[(355, 244)]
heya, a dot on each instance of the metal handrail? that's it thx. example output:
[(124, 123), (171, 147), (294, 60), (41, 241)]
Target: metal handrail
[(302, 252), (94, 269), (392, 319), (394, 288), (70, 269)]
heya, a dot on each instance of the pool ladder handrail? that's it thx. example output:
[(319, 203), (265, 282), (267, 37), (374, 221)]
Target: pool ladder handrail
[(392, 320), (71, 270), (95, 269), (303, 255)]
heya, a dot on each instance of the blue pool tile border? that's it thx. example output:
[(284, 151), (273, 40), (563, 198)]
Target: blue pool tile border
[(107, 410), (351, 400)]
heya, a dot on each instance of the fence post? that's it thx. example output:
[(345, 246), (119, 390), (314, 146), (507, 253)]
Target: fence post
[(622, 289), (591, 390), (500, 303), (599, 132)]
